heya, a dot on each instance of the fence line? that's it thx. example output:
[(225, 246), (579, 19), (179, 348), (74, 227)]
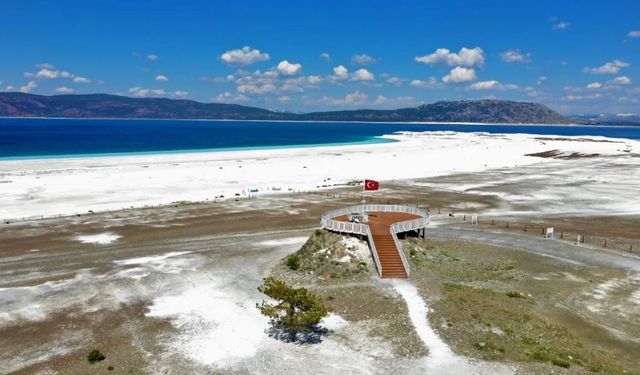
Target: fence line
[(575, 236)]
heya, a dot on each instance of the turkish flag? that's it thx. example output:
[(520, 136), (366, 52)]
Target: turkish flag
[(371, 185)]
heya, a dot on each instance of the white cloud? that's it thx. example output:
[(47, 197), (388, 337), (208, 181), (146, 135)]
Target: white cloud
[(314, 80), (612, 67), (289, 69), (492, 85), (541, 80), (460, 74), (161, 78), (626, 114), (216, 79), (400, 100), (65, 90), (622, 80), (243, 57), (291, 87), (572, 98), (560, 25), (469, 57), (354, 98), (142, 92), (284, 98), (45, 66), (363, 59), (397, 81), (325, 56), (634, 34), (228, 97), (594, 85), (362, 75), (515, 56), (430, 83), (340, 72), (272, 81), (152, 57), (47, 73), (256, 89), (381, 100), (29, 87), (80, 79)]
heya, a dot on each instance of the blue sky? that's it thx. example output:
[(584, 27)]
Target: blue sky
[(576, 57)]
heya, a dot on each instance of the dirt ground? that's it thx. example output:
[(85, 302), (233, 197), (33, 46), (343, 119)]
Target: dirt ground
[(503, 304), (61, 297)]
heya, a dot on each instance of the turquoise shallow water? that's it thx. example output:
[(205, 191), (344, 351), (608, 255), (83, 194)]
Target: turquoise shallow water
[(51, 138)]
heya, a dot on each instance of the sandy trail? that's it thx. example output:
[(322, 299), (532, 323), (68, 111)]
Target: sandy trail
[(441, 359)]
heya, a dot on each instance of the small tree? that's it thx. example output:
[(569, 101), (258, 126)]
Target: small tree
[(94, 356), (293, 262), (295, 309)]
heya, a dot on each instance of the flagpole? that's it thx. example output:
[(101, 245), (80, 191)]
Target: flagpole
[(364, 187)]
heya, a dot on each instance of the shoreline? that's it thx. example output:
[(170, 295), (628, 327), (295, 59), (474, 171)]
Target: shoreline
[(370, 141), (51, 187), (373, 139)]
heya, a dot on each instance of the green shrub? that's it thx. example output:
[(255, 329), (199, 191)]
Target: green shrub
[(514, 294), (540, 355), (561, 362), (293, 262), (95, 355)]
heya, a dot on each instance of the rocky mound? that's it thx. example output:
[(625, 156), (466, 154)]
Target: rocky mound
[(327, 255)]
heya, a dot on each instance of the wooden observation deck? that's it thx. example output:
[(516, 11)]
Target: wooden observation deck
[(383, 223)]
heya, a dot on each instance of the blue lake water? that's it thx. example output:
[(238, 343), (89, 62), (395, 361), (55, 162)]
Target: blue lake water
[(43, 138)]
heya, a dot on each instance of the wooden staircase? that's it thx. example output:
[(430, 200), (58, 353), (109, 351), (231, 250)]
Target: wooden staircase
[(380, 224), (390, 260)]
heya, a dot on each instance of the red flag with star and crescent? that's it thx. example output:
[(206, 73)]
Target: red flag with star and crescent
[(371, 185)]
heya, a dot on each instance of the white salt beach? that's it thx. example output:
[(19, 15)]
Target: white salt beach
[(150, 259), (221, 329), (98, 239), (50, 187)]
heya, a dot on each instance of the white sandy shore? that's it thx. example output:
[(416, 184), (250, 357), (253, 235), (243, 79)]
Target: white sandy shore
[(49, 187)]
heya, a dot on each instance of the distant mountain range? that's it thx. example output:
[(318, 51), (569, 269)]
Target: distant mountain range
[(607, 119), (113, 106)]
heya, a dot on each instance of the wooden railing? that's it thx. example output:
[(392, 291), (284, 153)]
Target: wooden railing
[(327, 222)]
